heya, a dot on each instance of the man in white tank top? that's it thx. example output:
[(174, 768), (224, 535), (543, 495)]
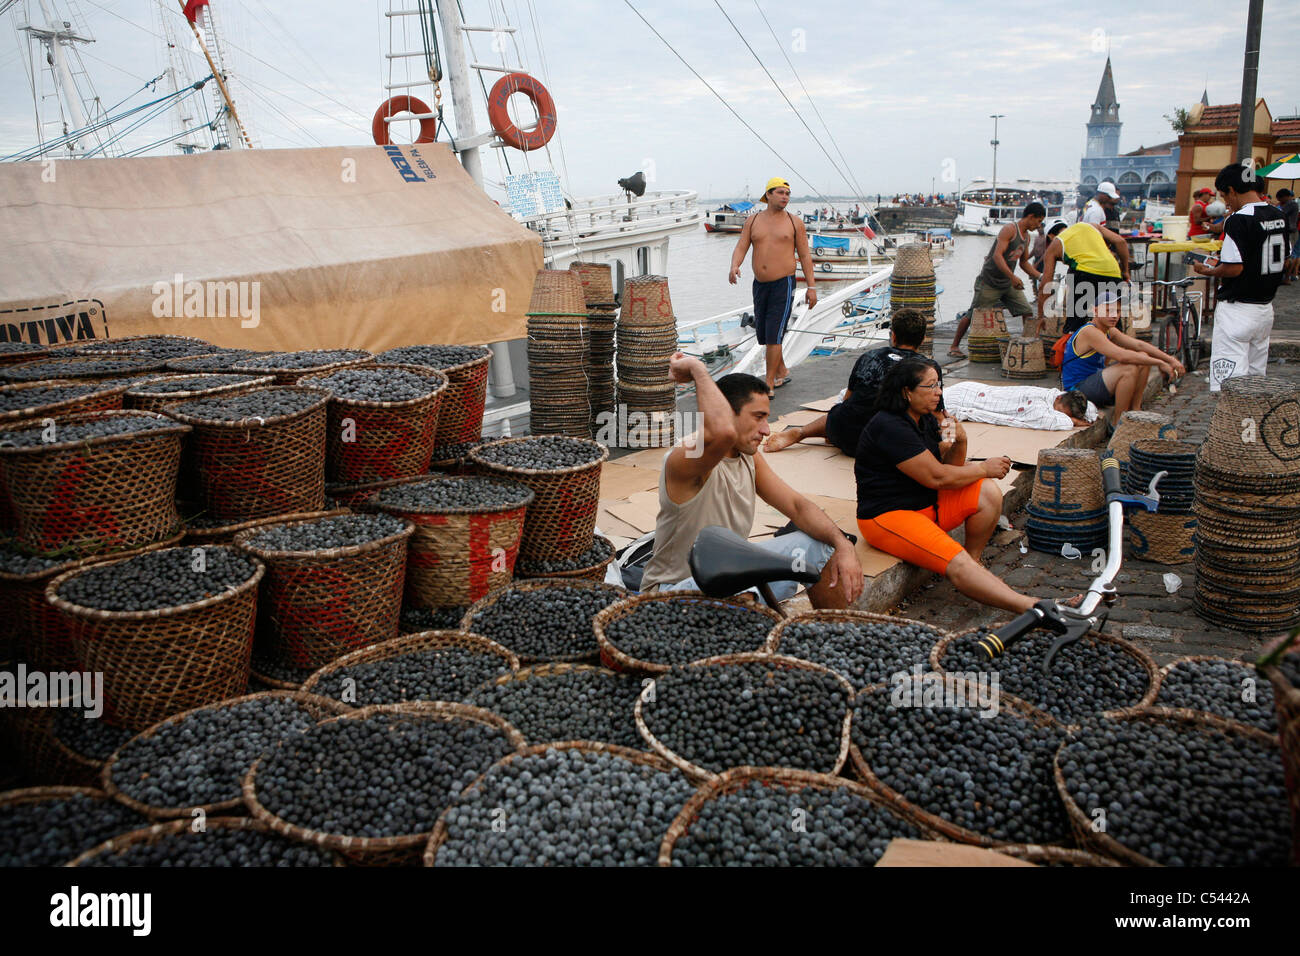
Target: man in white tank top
[(716, 481)]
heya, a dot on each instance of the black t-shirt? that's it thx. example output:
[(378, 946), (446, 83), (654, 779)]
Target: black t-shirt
[(891, 437), (1259, 233)]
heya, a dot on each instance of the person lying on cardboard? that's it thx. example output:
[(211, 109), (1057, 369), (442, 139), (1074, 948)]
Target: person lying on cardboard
[(716, 481), (842, 425), (1019, 406)]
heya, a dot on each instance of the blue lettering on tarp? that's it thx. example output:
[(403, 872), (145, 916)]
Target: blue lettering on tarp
[(403, 165)]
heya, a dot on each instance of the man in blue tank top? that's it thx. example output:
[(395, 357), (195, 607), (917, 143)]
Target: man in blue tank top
[(1122, 382)]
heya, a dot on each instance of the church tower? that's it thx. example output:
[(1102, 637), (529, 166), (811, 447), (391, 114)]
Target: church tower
[(1104, 125)]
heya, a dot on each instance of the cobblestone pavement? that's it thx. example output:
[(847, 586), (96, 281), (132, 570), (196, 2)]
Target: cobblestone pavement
[(1163, 623)]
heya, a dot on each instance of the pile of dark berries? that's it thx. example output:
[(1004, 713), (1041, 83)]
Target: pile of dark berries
[(77, 368), (764, 825), (18, 399), (93, 738), (1087, 677), (452, 494), (864, 652), (434, 356), (83, 431), (326, 534), (564, 808), (56, 830), (1181, 796), (989, 774), (378, 384), (416, 619), (550, 623), (265, 403), (681, 630), (12, 347), (217, 362), (457, 452), (158, 579), (599, 552), (1220, 687), (218, 846), (154, 346), (202, 759), (755, 714), (582, 704), (299, 361), (111, 384), (381, 776), (275, 669), (433, 673), (542, 453), (13, 561), (192, 383)]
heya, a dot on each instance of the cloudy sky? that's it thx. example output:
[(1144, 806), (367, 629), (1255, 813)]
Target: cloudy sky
[(907, 98)]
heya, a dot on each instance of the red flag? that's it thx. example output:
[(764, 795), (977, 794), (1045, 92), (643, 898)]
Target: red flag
[(192, 9)]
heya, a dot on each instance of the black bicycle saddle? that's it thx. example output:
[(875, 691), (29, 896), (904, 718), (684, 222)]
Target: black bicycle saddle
[(723, 563)]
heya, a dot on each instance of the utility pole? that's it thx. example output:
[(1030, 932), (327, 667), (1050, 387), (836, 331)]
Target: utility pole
[(1249, 81), (994, 141)]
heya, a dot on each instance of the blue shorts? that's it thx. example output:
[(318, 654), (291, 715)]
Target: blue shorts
[(1096, 391), (772, 304)]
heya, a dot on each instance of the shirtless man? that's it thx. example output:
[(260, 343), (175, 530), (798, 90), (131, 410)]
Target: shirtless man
[(777, 237)]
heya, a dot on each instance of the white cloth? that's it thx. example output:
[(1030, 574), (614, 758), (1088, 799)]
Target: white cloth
[(1094, 213), (1241, 332), (1020, 406)]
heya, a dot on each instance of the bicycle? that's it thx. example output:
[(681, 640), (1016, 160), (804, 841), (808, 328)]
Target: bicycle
[(1180, 336)]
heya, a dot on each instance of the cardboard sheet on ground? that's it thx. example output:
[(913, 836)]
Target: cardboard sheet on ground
[(816, 474), (619, 481), (822, 404), (1021, 445), (845, 515)]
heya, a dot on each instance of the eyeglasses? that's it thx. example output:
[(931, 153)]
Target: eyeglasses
[(934, 386)]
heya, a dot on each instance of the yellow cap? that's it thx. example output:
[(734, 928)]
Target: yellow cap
[(773, 183)]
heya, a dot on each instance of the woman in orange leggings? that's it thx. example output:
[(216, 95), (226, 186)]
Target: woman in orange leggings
[(914, 486)]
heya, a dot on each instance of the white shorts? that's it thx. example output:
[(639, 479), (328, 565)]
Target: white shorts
[(1241, 331)]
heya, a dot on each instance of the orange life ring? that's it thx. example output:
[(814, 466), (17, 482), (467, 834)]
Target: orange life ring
[(510, 134), (402, 104)]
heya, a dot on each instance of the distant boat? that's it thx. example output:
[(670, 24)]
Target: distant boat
[(985, 210), (916, 217), (729, 217)]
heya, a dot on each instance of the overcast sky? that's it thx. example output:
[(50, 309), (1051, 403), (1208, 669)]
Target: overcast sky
[(907, 97)]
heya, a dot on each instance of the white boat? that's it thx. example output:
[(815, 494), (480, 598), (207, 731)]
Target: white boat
[(985, 207)]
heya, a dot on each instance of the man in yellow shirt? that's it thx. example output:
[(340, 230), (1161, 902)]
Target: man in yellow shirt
[(1095, 269)]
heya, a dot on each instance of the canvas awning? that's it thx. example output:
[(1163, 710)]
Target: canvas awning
[(363, 247)]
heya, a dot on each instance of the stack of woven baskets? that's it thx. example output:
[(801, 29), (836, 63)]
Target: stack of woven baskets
[(912, 287), (1135, 426), (558, 350), (647, 339), (1067, 505), (987, 327), (1247, 507), (602, 318), (1024, 358), (1166, 535)]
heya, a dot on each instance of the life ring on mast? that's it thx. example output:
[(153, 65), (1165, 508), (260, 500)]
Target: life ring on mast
[(521, 139), (403, 104)]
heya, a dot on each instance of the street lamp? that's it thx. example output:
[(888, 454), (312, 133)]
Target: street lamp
[(994, 141)]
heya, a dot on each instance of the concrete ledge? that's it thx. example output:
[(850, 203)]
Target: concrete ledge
[(1284, 346)]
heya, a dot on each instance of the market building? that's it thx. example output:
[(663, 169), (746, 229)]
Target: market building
[(1145, 173)]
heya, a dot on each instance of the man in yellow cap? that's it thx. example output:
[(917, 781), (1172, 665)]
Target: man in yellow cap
[(777, 236)]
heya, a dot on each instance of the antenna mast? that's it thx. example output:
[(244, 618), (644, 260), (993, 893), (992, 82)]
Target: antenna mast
[(199, 15)]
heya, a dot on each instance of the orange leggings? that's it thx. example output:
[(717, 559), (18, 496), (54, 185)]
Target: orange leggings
[(919, 537)]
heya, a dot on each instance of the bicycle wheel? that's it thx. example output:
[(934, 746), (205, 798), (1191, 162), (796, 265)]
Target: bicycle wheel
[(1171, 339), (1192, 344)]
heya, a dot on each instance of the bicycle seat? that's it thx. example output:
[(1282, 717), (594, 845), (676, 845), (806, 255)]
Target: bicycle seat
[(723, 563)]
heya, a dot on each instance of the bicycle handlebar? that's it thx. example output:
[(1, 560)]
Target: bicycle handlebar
[(1181, 283)]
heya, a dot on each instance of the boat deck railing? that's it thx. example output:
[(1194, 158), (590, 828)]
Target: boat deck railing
[(612, 213)]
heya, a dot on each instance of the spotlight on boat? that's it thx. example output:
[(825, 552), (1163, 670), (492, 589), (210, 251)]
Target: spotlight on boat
[(634, 184)]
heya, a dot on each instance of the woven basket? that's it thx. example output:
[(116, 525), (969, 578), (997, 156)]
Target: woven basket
[(1024, 358), (1210, 717), (1268, 448), (1165, 539), (71, 367), (107, 399), (1134, 426), (148, 343), (789, 780), (909, 810), (381, 441), (1103, 843), (1286, 699), (290, 376), (319, 605), (27, 795), (410, 644), (618, 660), (439, 835), (160, 831), (139, 397), (561, 521), (848, 616), (39, 634), (646, 302), (114, 491), (1067, 482), (536, 584), (697, 773), (557, 292), (460, 412), (378, 851), (45, 759), (1041, 855), (593, 572), (353, 497), (214, 363), (225, 534), (259, 468), (320, 708), (597, 282), (459, 556), (160, 662), (30, 353)]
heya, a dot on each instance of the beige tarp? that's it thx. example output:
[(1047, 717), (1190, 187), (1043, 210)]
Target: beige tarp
[(366, 247)]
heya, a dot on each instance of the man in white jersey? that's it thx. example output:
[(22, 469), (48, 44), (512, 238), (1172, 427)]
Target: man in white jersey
[(1094, 211), (1249, 268)]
